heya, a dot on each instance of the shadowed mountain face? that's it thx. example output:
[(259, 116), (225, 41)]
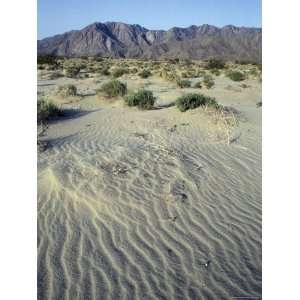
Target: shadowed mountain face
[(114, 39)]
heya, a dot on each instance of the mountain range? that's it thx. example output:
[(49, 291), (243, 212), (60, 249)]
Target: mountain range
[(116, 39)]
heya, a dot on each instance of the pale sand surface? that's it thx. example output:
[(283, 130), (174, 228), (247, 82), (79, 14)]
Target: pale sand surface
[(132, 207)]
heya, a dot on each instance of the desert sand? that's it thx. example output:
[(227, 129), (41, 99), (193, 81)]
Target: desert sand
[(154, 204)]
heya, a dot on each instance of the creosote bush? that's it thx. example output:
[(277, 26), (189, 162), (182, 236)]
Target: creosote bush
[(71, 72), (208, 81), (113, 88), (67, 90), (191, 101), (214, 63), (118, 72), (182, 83), (47, 110), (143, 99), (145, 73), (236, 75), (198, 85)]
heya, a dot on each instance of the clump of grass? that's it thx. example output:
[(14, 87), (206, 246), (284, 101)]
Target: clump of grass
[(236, 75), (214, 63), (191, 101), (198, 85), (72, 72), (67, 90), (47, 110), (208, 81), (118, 72), (145, 73), (182, 83), (113, 88), (143, 99)]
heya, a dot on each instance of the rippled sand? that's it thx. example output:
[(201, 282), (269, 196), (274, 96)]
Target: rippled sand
[(150, 204)]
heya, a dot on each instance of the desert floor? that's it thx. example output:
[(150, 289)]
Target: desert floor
[(154, 204)]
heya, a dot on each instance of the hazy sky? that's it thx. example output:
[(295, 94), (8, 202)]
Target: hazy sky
[(58, 16)]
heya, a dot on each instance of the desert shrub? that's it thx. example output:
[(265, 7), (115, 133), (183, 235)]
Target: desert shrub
[(134, 70), (214, 63), (236, 75), (182, 83), (191, 101), (259, 104), (113, 88), (169, 76), (46, 110), (104, 71), (253, 72), (72, 71), (143, 99), (215, 72), (67, 90), (47, 60), (145, 73), (208, 81), (118, 72), (244, 86), (198, 85)]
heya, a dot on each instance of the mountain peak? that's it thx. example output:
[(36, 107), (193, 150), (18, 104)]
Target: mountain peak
[(118, 39)]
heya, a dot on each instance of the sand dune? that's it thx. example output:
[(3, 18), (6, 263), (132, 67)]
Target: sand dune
[(132, 207)]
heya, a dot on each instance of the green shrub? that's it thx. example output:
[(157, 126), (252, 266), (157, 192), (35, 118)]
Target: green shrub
[(208, 81), (67, 90), (118, 72), (191, 101), (134, 70), (104, 71), (113, 88), (71, 72), (183, 83), (198, 85), (143, 99), (215, 72), (47, 59), (145, 73), (236, 75), (214, 63), (46, 110)]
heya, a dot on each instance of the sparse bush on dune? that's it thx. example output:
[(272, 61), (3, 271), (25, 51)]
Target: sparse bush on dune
[(104, 71), (71, 71), (113, 88), (47, 110), (215, 72), (67, 90), (118, 72), (208, 81), (236, 75), (145, 73), (133, 70), (198, 85), (143, 99), (169, 76), (191, 101), (47, 60), (214, 63), (182, 83)]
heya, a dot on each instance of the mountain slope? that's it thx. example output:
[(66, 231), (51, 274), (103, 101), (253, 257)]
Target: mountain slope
[(115, 39)]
